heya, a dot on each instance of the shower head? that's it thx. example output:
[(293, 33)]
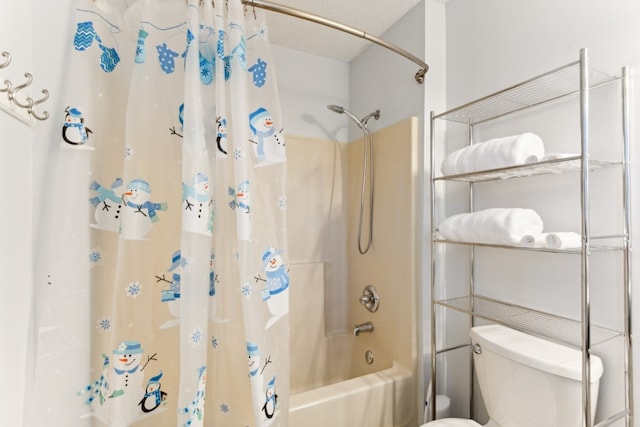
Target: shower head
[(362, 123), (336, 108), (341, 110)]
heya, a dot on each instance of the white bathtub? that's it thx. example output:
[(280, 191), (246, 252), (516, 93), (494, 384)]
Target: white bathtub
[(379, 399)]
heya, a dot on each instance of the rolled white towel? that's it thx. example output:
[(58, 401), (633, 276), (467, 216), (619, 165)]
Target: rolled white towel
[(563, 240), (494, 153), (534, 240), (495, 225)]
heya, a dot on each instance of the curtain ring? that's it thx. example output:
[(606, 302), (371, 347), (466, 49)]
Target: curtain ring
[(6, 63), (45, 114), (12, 94)]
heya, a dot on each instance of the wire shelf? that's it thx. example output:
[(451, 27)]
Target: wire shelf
[(547, 87), (556, 328), (556, 166)]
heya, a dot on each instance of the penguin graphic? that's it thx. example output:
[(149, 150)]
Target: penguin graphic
[(153, 397), (221, 137), (74, 131), (271, 399)]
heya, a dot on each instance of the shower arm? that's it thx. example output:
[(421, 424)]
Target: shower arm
[(296, 13)]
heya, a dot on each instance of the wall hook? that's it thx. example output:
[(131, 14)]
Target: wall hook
[(12, 94), (45, 114), (7, 61), (7, 88)]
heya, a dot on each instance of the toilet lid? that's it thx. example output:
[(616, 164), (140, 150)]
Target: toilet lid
[(452, 422)]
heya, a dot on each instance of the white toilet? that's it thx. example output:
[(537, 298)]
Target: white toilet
[(526, 381)]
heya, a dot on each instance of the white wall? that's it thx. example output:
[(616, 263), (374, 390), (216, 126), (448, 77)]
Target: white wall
[(493, 44), (16, 250), (307, 84)]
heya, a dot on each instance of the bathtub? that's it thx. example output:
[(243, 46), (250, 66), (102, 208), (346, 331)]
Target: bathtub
[(378, 399)]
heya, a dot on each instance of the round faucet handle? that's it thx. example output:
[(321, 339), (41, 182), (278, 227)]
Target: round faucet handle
[(370, 298)]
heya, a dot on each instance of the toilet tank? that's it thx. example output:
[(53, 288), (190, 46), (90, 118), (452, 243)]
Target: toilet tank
[(526, 381)]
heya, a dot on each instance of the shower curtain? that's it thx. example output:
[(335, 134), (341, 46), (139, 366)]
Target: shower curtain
[(165, 259)]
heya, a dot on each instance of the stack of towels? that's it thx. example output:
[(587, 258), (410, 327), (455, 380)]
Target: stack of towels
[(505, 226), (495, 153)]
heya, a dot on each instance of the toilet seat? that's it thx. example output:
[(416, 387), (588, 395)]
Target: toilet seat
[(452, 422)]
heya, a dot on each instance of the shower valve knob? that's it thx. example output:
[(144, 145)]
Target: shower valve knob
[(370, 298)]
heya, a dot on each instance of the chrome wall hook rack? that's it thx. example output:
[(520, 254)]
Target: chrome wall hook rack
[(16, 104)]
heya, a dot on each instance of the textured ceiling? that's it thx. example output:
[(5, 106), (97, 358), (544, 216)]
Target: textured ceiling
[(373, 17)]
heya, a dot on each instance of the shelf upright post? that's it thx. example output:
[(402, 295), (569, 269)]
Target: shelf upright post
[(585, 231), (627, 249), (432, 407), (472, 288)]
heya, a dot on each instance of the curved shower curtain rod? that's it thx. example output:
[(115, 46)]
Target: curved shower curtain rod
[(296, 13)]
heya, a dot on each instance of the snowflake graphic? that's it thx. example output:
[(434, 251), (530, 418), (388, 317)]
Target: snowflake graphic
[(196, 337), (184, 262), (238, 153), (224, 408), (205, 73), (128, 151), (246, 290), (104, 324), (282, 202), (214, 342), (133, 289), (95, 257)]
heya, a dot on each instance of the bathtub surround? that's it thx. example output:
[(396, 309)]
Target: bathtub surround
[(332, 383)]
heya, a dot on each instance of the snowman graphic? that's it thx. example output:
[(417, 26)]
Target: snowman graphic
[(74, 131), (276, 292), (108, 205), (139, 213), (153, 397), (125, 381), (197, 215), (195, 410), (171, 295), (269, 144), (255, 370), (242, 205), (98, 390), (241, 200)]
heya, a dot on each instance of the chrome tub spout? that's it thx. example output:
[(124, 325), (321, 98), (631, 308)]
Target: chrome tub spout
[(363, 327)]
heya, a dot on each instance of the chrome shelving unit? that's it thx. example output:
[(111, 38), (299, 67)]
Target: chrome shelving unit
[(576, 79)]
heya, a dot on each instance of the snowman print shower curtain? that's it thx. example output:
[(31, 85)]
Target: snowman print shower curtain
[(165, 300)]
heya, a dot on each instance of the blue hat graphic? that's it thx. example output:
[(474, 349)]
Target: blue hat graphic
[(140, 184), (156, 379), (252, 349), (253, 117), (128, 347), (74, 112), (268, 254), (200, 177)]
